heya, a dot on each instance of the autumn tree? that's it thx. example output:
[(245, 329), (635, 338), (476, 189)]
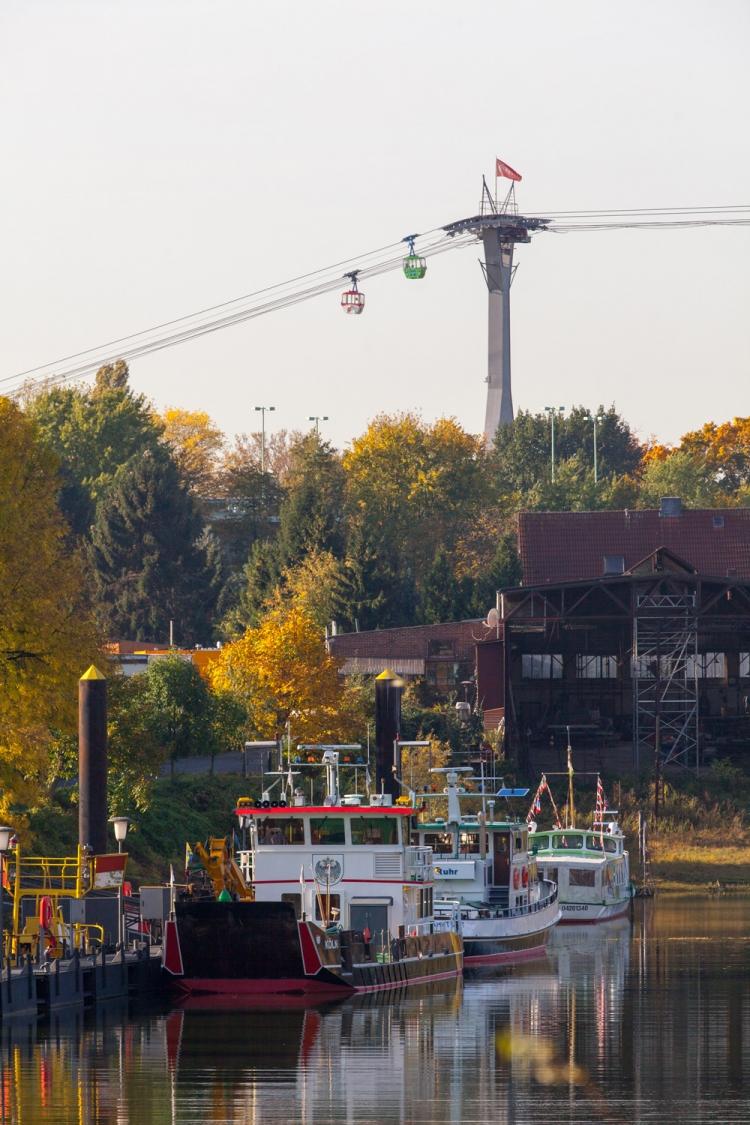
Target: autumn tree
[(94, 432), (196, 444), (150, 564), (280, 671), (724, 449), (46, 638), (682, 474)]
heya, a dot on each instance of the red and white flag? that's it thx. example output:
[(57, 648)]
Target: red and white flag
[(109, 870), (503, 169)]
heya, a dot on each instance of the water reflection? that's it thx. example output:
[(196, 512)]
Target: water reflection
[(618, 1023)]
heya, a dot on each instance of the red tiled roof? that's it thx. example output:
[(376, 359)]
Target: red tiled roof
[(408, 642), (570, 546)]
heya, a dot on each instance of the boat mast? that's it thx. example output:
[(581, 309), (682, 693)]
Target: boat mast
[(571, 801)]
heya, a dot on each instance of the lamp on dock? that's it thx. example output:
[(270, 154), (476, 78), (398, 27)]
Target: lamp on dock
[(120, 825), (6, 835)]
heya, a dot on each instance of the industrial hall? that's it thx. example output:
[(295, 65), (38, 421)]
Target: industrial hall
[(630, 635)]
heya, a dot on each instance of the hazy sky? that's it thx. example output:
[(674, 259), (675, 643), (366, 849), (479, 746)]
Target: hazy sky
[(161, 156)]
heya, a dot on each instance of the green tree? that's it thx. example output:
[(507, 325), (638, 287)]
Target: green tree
[(179, 709), (684, 474), (443, 596), (148, 566), (93, 432), (311, 515), (522, 452)]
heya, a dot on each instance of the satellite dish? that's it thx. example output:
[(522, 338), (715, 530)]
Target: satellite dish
[(492, 619)]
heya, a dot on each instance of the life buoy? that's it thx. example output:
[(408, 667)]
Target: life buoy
[(525, 876), (366, 935), (46, 913), (516, 879)]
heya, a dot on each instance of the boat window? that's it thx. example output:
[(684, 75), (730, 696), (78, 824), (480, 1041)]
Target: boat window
[(425, 902), (440, 842), (331, 905), (551, 874), (296, 901), (281, 830), (581, 877), (610, 845), (518, 843), (374, 830), (468, 843), (540, 842), (567, 841), (594, 843), (327, 829)]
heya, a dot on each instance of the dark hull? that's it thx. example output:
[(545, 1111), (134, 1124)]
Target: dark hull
[(499, 951), (245, 949)]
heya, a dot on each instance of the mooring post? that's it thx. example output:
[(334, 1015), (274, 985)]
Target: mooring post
[(92, 761)]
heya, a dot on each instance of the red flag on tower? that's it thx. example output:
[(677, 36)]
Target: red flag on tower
[(503, 169)]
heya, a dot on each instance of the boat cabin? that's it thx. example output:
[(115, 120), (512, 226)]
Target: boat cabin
[(348, 864), (482, 859), (583, 861)]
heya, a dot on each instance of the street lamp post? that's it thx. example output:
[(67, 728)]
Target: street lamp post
[(553, 411), (120, 825), (263, 410), (317, 419), (6, 835)]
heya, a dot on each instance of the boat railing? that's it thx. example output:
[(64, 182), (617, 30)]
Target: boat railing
[(418, 864), (487, 911)]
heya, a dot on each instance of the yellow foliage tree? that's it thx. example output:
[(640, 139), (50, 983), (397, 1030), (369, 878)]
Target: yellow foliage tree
[(282, 672), (725, 450), (195, 443), (420, 484), (46, 639)]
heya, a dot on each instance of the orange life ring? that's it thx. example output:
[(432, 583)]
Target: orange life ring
[(525, 876), (46, 912), (516, 879)]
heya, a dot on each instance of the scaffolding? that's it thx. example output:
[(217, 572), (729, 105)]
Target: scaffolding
[(665, 686)]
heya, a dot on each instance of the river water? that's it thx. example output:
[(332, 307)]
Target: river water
[(636, 1021)]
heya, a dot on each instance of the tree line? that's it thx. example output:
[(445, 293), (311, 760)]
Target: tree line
[(117, 520)]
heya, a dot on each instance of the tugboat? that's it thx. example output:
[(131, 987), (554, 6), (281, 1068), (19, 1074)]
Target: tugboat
[(322, 898), (485, 875), (590, 865)]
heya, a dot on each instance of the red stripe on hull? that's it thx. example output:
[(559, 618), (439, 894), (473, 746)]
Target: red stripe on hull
[(506, 957), (237, 987)]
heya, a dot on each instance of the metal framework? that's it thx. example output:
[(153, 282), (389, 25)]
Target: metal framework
[(665, 685)]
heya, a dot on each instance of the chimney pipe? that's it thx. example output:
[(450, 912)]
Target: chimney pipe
[(92, 760), (388, 689)]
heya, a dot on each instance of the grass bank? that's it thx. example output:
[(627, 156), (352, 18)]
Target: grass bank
[(183, 809)]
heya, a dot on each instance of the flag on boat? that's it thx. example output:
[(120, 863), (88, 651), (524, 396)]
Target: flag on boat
[(503, 169), (109, 870), (188, 858)]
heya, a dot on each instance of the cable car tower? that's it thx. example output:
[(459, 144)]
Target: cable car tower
[(499, 228)]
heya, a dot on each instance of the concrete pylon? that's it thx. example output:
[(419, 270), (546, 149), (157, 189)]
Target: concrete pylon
[(498, 258)]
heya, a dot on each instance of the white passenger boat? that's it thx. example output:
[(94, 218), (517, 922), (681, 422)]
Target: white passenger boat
[(486, 878), (590, 865)]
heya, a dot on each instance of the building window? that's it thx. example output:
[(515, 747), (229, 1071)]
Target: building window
[(614, 564), (441, 648), (707, 666), (596, 667), (745, 665), (542, 666)]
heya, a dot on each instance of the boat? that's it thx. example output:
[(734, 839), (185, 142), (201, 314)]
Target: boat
[(486, 877), (319, 898), (590, 865)]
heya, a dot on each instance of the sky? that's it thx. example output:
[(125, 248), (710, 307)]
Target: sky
[(161, 157)]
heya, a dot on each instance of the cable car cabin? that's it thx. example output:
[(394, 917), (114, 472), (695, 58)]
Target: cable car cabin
[(352, 301), (415, 267)]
